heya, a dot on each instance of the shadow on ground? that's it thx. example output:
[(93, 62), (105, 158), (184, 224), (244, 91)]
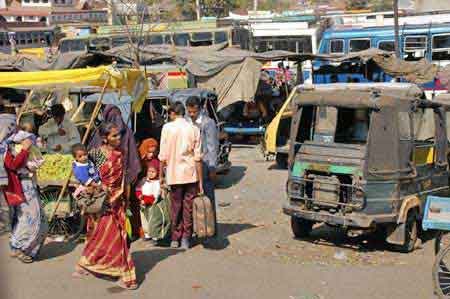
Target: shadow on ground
[(56, 249), (368, 242), (225, 230), (233, 177), (146, 260)]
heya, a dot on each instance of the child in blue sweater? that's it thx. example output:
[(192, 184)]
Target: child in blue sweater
[(84, 170)]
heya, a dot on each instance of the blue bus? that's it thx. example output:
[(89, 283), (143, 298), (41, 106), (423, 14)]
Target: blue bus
[(430, 41)]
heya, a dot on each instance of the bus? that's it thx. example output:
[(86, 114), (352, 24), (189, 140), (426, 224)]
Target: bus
[(178, 35), (429, 41), (28, 37), (297, 37)]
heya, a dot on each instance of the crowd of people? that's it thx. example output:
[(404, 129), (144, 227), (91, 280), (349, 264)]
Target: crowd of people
[(126, 178)]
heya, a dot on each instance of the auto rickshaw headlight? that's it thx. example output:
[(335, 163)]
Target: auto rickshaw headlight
[(295, 189), (359, 193)]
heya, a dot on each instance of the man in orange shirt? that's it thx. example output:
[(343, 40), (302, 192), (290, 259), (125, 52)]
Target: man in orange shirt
[(181, 154)]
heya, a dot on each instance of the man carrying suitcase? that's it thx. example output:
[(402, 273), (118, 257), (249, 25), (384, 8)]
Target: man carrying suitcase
[(210, 147), (180, 153)]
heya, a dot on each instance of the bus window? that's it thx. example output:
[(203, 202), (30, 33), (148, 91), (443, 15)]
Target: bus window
[(260, 46), (441, 47), (181, 39), (415, 47), (281, 45), (156, 40), (305, 45), (202, 36), (99, 43), (387, 46), (119, 41), (201, 39), (35, 37), (336, 46), (292, 46), (220, 37), (29, 38), (357, 45)]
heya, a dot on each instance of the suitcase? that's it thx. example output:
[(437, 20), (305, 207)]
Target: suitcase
[(203, 217)]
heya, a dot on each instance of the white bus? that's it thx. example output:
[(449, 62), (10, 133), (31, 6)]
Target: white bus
[(297, 37)]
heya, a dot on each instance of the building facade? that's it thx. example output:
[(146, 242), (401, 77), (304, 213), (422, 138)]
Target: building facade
[(38, 23)]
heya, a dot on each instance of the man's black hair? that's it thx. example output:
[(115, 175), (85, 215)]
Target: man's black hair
[(58, 110), (178, 108), (2, 105), (193, 101)]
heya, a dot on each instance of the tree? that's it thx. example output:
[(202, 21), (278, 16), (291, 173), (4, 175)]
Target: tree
[(357, 4), (382, 5)]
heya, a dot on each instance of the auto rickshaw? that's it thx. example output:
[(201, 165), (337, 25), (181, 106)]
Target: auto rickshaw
[(365, 157)]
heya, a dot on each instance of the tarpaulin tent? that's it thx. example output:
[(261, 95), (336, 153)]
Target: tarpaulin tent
[(62, 61), (131, 80)]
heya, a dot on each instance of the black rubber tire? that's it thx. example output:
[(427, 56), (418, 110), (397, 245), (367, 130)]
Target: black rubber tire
[(411, 233), (435, 273), (282, 161), (301, 228), (441, 241)]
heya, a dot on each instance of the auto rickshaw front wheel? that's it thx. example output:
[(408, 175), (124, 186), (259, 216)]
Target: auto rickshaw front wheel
[(411, 232), (301, 228)]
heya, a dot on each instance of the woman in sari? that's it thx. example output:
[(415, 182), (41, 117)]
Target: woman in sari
[(29, 223), (106, 251), (130, 158)]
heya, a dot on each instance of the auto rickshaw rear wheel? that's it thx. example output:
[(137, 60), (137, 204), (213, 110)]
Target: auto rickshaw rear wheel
[(301, 228)]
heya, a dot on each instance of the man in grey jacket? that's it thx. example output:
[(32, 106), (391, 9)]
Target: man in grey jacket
[(210, 146)]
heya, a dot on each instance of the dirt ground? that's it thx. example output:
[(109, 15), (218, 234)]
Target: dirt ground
[(255, 256)]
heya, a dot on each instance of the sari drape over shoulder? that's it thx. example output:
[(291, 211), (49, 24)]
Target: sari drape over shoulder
[(106, 250)]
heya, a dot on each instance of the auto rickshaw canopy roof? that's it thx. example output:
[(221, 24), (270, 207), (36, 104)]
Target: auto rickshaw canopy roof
[(362, 95)]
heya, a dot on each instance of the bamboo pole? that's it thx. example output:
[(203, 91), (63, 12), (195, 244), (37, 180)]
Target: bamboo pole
[(25, 105), (78, 111), (85, 137)]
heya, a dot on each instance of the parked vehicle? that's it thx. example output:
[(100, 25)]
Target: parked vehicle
[(430, 41), (364, 157)]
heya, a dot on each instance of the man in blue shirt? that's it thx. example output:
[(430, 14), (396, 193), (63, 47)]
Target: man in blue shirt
[(210, 146)]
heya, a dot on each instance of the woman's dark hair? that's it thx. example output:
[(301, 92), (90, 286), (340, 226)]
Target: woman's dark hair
[(178, 108), (105, 129), (193, 101)]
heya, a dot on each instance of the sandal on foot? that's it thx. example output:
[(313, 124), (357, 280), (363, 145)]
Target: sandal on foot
[(122, 285), (25, 258), (80, 273)]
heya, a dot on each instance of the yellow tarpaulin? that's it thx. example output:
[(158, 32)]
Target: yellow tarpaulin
[(131, 80), (272, 130)]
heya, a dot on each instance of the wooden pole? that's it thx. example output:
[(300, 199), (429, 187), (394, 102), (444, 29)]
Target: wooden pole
[(98, 105), (255, 5), (396, 29), (24, 106), (197, 9)]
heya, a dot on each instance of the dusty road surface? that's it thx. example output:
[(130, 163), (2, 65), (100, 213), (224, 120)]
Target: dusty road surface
[(254, 257)]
